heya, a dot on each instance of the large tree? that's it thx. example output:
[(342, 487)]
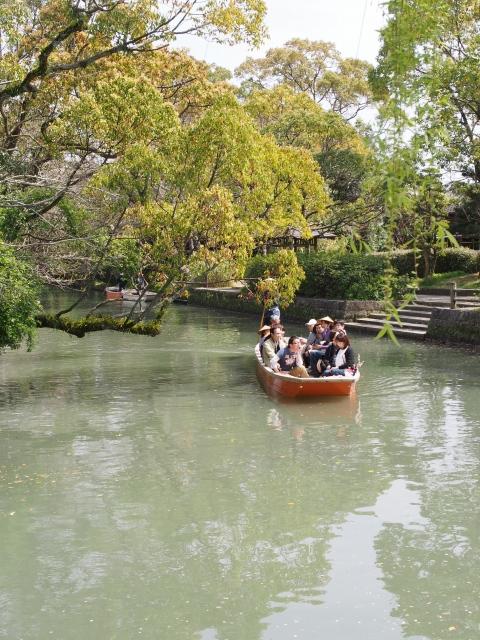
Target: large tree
[(218, 190), (429, 78), (315, 68), (343, 155), (116, 151)]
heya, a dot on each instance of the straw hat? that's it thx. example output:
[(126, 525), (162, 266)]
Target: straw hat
[(265, 327), (311, 322), (326, 319)]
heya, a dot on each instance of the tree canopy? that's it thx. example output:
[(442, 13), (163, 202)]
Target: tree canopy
[(119, 153), (116, 152), (315, 68), (429, 79)]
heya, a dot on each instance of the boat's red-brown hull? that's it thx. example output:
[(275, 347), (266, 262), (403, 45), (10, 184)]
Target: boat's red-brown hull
[(113, 295), (290, 387), (129, 295)]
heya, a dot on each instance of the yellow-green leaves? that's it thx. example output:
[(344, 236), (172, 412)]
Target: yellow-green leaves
[(237, 20), (314, 68), (281, 280), (209, 198), (116, 113)]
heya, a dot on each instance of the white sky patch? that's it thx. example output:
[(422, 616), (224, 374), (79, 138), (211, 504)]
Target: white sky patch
[(352, 25)]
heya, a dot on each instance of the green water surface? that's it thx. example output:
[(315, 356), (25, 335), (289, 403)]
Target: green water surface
[(149, 488)]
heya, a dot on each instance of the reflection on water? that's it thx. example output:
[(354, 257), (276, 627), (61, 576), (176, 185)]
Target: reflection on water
[(150, 487)]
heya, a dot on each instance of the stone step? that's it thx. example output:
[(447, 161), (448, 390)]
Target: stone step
[(375, 328), (416, 312), (404, 325), (418, 306), (404, 317)]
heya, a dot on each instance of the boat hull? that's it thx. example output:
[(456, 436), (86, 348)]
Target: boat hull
[(113, 294), (128, 295), (285, 385)]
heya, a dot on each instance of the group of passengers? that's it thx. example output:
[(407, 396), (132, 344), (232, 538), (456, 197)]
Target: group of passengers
[(326, 351)]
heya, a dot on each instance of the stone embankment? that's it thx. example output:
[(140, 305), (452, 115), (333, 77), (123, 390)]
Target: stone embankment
[(428, 318), (456, 326), (301, 309)]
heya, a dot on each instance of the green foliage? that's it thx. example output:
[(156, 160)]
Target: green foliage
[(459, 259), (314, 68), (440, 279), (199, 205), (296, 120), (339, 277), (18, 300), (99, 146), (124, 256), (280, 278), (344, 170), (21, 206), (431, 234), (348, 277), (429, 63), (451, 259), (429, 81)]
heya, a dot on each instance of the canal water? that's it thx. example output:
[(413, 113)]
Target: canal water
[(149, 488)]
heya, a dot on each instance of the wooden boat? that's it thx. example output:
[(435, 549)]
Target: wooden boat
[(283, 384), (131, 295), (128, 295), (113, 293)]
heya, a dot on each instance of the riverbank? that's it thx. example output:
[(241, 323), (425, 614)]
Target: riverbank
[(455, 326), (301, 309), (444, 326)]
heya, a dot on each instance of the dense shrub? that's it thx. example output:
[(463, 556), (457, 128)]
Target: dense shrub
[(339, 277), (453, 259), (461, 259), (403, 262)]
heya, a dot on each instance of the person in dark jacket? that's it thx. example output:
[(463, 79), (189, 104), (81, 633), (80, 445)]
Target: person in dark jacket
[(121, 282), (338, 357), (315, 349), (273, 313)]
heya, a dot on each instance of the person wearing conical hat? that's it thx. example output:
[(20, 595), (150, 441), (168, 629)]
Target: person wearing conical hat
[(326, 322), (264, 333), (307, 343)]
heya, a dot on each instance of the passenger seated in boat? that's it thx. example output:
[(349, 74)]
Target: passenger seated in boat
[(339, 358), (338, 326), (289, 359), (273, 344), (326, 323), (314, 350), (311, 335), (264, 333), (320, 342)]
